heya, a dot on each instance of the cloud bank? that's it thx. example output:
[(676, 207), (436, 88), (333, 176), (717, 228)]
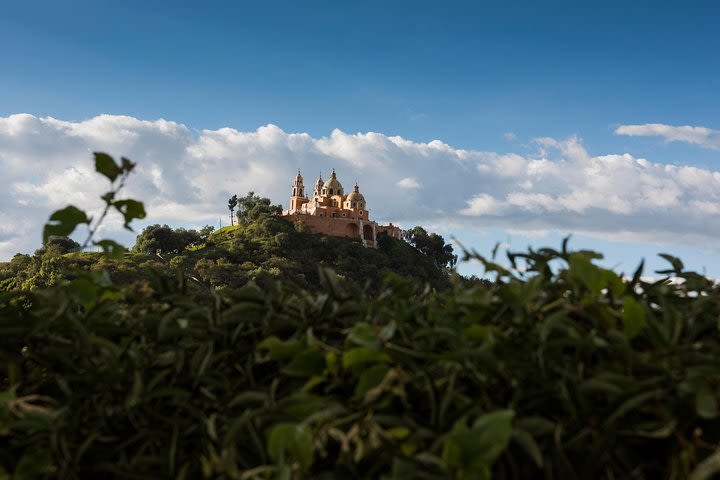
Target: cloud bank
[(702, 136), (186, 176)]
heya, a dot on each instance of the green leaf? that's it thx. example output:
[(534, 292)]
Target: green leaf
[(84, 291), (105, 164), (130, 209), (706, 403), (295, 439), (387, 331), (677, 264), (586, 272), (633, 316), (34, 465), (477, 448), (526, 441), (279, 350), (284, 472), (371, 378), (631, 403), (403, 468), (111, 248), (63, 222), (6, 416), (364, 334), (306, 364), (536, 426), (127, 165), (361, 355), (480, 333), (593, 277)]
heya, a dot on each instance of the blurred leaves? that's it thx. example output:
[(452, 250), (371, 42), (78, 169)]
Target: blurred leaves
[(105, 165), (63, 222)]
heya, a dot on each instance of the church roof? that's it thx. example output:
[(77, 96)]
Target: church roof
[(356, 196), (333, 182)]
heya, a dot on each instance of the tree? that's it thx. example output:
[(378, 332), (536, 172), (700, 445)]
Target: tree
[(163, 239), (205, 232), (251, 207), (432, 245), (232, 203), (58, 246)]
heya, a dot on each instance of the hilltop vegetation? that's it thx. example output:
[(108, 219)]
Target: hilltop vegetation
[(568, 372), (260, 246)]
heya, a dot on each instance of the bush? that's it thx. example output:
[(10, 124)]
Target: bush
[(570, 374)]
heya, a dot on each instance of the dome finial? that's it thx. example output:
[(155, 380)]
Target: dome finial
[(333, 185)]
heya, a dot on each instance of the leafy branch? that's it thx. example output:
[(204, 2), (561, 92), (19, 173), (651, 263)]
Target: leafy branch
[(63, 222)]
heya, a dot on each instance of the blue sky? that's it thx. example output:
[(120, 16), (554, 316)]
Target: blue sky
[(485, 76)]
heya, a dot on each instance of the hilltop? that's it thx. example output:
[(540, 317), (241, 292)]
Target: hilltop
[(261, 246)]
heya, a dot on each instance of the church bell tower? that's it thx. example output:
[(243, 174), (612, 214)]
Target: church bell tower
[(297, 198)]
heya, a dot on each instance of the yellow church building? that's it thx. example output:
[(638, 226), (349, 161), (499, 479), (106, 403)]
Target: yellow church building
[(329, 211)]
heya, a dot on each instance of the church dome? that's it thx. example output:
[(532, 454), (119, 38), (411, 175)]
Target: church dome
[(355, 196), (333, 186)]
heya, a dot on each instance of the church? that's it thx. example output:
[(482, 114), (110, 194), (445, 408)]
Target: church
[(331, 212)]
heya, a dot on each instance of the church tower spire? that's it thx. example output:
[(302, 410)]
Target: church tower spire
[(298, 187), (297, 198), (318, 187)]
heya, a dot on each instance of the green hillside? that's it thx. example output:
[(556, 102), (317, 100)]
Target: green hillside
[(265, 247)]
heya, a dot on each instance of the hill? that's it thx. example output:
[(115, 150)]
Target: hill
[(265, 246)]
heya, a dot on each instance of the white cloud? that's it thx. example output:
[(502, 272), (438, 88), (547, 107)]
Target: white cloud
[(509, 136), (705, 137), (185, 177), (483, 204), (408, 182)]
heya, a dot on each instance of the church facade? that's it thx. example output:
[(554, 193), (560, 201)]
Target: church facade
[(329, 211)]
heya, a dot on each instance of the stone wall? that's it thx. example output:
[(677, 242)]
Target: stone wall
[(344, 227)]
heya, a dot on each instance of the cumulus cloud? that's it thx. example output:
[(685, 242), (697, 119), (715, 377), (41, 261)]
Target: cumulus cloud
[(185, 177), (705, 137), (408, 182)]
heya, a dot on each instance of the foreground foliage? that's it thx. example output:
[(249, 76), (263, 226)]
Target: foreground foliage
[(577, 374)]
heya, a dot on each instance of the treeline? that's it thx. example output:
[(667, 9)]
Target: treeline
[(260, 245)]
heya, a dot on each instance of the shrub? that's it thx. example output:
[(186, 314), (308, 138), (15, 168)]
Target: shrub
[(571, 374)]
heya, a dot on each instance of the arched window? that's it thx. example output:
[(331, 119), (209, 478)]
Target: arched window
[(334, 215)]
